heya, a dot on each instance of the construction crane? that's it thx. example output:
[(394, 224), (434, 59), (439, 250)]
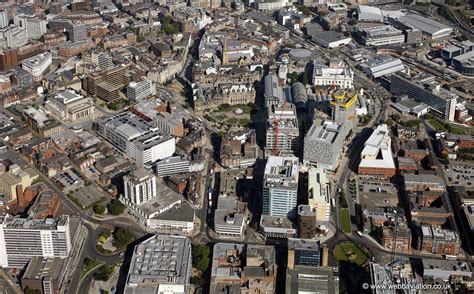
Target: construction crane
[(276, 128), (393, 259)]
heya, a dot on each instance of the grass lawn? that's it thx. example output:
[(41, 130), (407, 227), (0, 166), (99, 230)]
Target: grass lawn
[(88, 265), (346, 220), (350, 252), (455, 129), (437, 125)]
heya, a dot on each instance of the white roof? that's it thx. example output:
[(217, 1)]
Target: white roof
[(365, 12), (379, 141)]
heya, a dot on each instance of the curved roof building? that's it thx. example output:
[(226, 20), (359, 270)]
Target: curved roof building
[(298, 92), (428, 26)]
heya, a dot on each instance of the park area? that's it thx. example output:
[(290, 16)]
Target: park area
[(231, 116), (350, 252), (346, 220)]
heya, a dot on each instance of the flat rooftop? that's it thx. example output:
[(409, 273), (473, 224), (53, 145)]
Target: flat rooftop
[(161, 259), (282, 171)]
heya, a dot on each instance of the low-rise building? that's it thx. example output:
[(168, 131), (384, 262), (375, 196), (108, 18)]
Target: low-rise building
[(160, 264), (243, 268), (70, 106), (336, 74), (376, 157), (37, 65), (435, 240), (381, 35)]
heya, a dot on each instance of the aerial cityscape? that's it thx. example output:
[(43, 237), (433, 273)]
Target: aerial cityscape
[(236, 147)]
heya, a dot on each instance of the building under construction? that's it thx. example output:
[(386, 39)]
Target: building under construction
[(283, 135), (343, 108)]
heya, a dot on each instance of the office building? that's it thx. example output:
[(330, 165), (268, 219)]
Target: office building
[(376, 157), (439, 99), (280, 187), (70, 106), (343, 110), (435, 240), (139, 186), (13, 182), (323, 145), (336, 74), (38, 65), (9, 59), (282, 130), (4, 18), (230, 216), (319, 197), (121, 129), (307, 222), (35, 27), (160, 264), (238, 268), (303, 252), (273, 92), (134, 135), (46, 275), (277, 227), (381, 35), (137, 91), (150, 147), (22, 239), (104, 60), (76, 30), (308, 279), (13, 37), (172, 165), (382, 65), (330, 39)]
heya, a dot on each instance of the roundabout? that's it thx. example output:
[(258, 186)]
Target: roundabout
[(351, 253)]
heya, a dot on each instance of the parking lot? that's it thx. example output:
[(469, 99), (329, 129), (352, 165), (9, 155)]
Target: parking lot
[(69, 180), (460, 173)]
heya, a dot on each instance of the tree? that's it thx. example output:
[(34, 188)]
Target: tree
[(99, 209), (201, 258), (198, 281), (353, 22), (29, 290), (104, 273), (115, 207), (122, 237)]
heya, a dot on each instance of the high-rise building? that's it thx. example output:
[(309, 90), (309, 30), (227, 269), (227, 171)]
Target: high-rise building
[(104, 60), (160, 264), (437, 98), (343, 105), (138, 91), (35, 27), (23, 238), (323, 145), (139, 186), (280, 188), (283, 134), (4, 20)]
